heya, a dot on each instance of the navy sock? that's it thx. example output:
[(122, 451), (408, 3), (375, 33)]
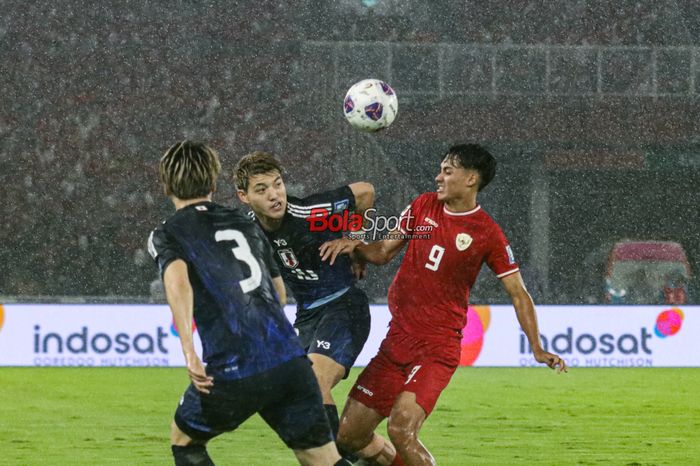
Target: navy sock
[(191, 455), (332, 413)]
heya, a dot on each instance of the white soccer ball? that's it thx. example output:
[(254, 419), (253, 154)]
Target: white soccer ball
[(370, 105)]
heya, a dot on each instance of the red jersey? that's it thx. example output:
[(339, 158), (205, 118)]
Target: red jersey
[(430, 292)]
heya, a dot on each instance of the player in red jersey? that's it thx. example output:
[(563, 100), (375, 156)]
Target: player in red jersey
[(449, 237)]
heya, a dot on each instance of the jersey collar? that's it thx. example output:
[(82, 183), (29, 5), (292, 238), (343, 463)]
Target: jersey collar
[(461, 214)]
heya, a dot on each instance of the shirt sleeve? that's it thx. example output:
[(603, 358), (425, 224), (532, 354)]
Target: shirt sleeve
[(334, 201), (163, 248), (500, 256), (407, 219)]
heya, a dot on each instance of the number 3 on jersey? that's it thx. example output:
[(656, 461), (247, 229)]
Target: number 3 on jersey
[(242, 253), (434, 258)]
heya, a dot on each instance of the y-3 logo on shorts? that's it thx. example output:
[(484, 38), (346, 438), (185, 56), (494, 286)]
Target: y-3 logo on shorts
[(413, 372), (323, 344)]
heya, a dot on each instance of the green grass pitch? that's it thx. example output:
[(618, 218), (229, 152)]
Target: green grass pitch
[(120, 416)]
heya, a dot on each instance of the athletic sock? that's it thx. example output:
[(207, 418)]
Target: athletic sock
[(348, 455), (191, 455), (332, 413)]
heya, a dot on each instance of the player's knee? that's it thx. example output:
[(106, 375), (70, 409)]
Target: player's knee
[(349, 441), (328, 377), (181, 439), (346, 442), (325, 384), (178, 437), (326, 369)]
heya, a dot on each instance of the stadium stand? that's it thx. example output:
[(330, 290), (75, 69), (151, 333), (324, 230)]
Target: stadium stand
[(600, 97)]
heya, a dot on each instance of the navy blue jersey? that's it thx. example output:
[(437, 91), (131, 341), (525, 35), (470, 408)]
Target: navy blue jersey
[(296, 247), (239, 319)]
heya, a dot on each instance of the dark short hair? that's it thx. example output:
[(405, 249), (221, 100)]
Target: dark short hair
[(476, 157), (189, 170), (255, 163)]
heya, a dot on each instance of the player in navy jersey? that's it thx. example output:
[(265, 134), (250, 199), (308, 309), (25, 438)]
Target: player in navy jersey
[(217, 268), (333, 318), (428, 302)]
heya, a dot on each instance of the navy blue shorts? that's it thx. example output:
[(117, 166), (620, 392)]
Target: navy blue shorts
[(287, 397), (338, 329)]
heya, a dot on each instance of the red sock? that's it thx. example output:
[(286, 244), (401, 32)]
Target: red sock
[(397, 461)]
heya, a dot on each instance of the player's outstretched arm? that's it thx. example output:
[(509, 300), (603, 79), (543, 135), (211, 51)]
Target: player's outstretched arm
[(525, 310), (332, 249), (381, 252), (377, 253), (364, 196), (178, 291)]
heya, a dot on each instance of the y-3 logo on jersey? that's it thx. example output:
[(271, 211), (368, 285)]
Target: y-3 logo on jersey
[(323, 344), (279, 242)]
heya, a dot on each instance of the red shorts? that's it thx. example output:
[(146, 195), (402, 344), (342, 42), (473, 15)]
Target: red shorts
[(407, 364)]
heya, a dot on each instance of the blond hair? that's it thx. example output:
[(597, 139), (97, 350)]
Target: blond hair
[(189, 170)]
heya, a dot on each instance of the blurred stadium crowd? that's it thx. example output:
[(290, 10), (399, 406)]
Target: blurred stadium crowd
[(590, 107)]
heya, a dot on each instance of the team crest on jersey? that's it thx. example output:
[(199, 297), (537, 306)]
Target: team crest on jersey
[(341, 206), (463, 241), (288, 258)]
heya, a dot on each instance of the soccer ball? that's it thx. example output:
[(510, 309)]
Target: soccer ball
[(370, 105)]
